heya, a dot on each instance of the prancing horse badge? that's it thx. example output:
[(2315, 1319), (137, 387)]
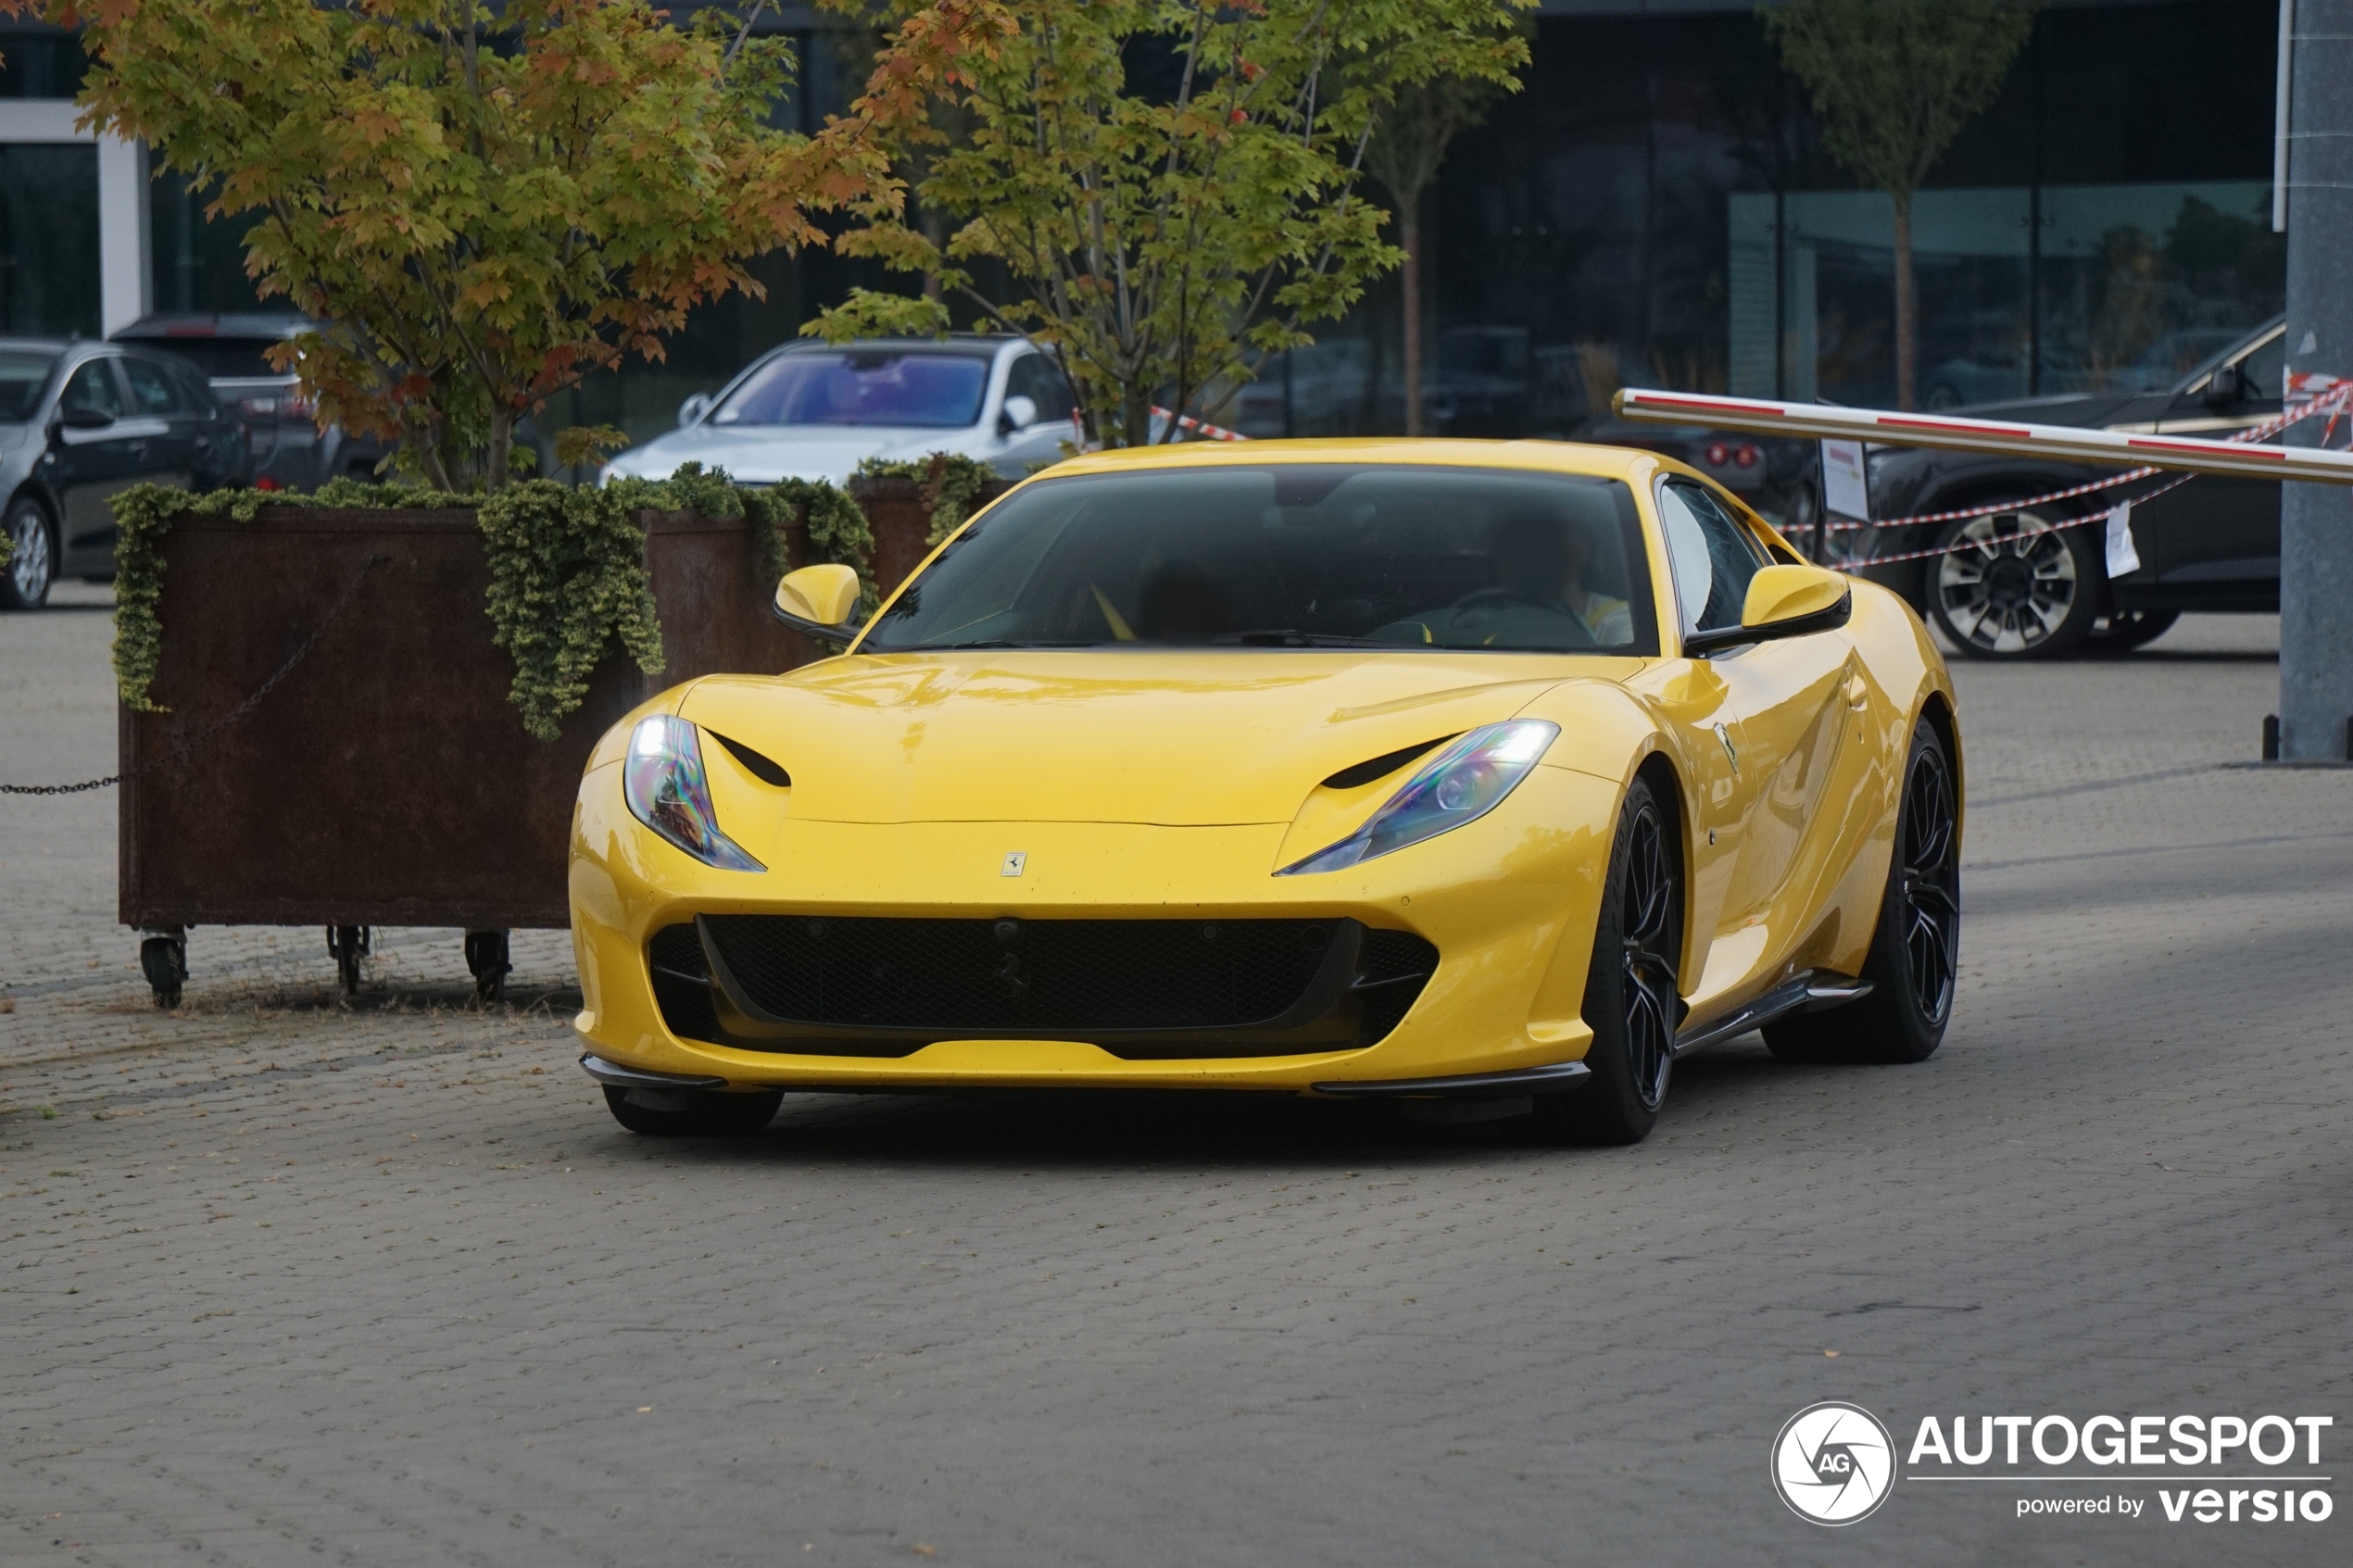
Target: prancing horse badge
[(1015, 860)]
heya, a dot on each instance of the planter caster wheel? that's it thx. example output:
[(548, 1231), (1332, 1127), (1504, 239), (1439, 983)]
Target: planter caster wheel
[(163, 958), (348, 945), (487, 960)]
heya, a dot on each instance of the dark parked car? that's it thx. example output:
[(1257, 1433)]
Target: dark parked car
[(290, 452), (2023, 590), (78, 422)]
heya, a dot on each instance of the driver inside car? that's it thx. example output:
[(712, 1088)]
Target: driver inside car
[(1541, 595)]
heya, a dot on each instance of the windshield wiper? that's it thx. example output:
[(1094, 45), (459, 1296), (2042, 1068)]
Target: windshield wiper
[(1294, 639)]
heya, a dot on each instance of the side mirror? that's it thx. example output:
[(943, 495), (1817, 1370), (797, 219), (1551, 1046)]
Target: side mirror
[(819, 600), (2226, 386), (1783, 601), (693, 410), (85, 418), (1020, 413)]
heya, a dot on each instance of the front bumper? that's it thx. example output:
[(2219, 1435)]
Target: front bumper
[(1509, 902)]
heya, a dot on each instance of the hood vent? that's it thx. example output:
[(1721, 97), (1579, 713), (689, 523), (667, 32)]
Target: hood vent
[(759, 767), (1377, 768)]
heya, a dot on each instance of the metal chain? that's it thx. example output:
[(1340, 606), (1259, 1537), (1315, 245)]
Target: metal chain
[(227, 719)]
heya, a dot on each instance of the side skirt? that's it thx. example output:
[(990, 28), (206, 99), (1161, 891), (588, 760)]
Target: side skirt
[(1809, 992)]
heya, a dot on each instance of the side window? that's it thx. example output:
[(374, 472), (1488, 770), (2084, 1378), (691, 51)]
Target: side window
[(1712, 556), (92, 386), (2266, 369), (152, 391), (1038, 378)]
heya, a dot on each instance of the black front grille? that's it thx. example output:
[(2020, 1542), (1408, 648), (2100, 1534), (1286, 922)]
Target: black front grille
[(1394, 967), (681, 984), (950, 975), (1145, 988)]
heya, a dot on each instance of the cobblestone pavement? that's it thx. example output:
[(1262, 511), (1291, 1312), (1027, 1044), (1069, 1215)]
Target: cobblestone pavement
[(293, 1281)]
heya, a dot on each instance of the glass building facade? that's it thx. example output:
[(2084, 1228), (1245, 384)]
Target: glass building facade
[(1652, 208)]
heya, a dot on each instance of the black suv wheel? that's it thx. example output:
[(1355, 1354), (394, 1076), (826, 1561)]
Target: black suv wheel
[(2019, 587)]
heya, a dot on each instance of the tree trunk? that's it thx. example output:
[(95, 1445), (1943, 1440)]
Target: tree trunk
[(1907, 306), (1409, 231), (497, 460), (1136, 418), (935, 227)]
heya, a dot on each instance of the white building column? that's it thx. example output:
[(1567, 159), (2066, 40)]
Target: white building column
[(123, 233)]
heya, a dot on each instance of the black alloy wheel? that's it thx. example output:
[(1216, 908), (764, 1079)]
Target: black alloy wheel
[(692, 1114), (1632, 1000), (2015, 585), (1930, 881), (33, 557), (1914, 963)]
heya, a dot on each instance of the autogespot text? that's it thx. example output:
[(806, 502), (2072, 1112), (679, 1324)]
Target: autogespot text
[(2204, 1469)]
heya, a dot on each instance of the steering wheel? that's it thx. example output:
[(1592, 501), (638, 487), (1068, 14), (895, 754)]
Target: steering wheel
[(1480, 598), (1498, 598)]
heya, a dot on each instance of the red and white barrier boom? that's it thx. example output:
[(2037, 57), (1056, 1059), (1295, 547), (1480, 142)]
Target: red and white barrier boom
[(2184, 452)]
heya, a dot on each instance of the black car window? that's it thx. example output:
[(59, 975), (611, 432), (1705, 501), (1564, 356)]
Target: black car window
[(152, 391), (2265, 370), (1038, 378), (1712, 557), (22, 376), (194, 390), (92, 386)]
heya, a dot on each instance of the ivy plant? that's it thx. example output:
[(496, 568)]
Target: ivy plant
[(567, 565), (952, 484)]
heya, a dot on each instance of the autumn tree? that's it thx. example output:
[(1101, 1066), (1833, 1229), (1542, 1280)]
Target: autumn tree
[(1894, 83), (1171, 186), (480, 205)]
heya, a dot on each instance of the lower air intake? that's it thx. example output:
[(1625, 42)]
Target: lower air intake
[(1150, 988)]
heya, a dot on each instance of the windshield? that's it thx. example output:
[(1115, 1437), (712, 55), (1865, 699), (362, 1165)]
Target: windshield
[(22, 376), (860, 387), (1292, 556)]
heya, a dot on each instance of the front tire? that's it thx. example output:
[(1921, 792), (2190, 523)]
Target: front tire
[(692, 1114), (1916, 949), (1632, 1003), (2021, 587), (33, 558)]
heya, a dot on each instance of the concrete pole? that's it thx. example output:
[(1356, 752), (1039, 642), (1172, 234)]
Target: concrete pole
[(2316, 522)]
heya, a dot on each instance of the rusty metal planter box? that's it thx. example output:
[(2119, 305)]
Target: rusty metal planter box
[(388, 781)]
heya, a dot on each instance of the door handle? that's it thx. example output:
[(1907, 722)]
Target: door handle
[(1858, 694)]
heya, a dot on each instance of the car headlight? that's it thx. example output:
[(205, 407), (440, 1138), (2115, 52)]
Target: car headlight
[(1461, 785), (663, 782)]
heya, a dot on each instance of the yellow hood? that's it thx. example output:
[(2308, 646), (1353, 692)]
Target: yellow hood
[(1166, 736)]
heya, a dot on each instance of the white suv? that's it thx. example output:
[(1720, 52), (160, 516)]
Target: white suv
[(815, 410)]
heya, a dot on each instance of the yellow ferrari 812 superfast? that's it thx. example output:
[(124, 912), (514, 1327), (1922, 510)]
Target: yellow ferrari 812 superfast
[(1486, 776)]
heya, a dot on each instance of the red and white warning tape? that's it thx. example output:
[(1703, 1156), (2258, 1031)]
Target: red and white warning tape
[(1183, 422), (1215, 433), (1958, 545)]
